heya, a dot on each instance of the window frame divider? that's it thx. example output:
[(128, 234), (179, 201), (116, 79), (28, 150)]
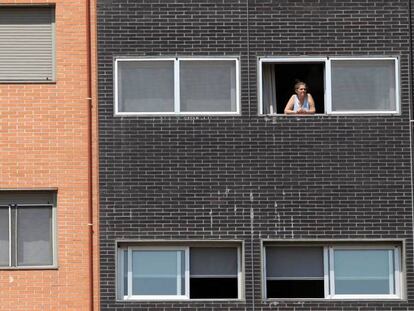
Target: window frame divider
[(326, 270), (177, 90), (10, 236)]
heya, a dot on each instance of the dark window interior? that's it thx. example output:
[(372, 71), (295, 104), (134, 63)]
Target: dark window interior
[(295, 289), (213, 288), (286, 75)]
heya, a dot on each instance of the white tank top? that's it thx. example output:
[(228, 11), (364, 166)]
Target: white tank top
[(297, 105)]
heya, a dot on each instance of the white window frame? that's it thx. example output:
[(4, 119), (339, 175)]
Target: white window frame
[(329, 273), (328, 82), (186, 296), (395, 278), (130, 296), (177, 111)]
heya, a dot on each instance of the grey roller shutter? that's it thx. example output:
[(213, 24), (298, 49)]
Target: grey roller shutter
[(213, 261), (294, 262), (27, 43)]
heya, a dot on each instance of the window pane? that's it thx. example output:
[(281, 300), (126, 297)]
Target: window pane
[(295, 288), (213, 288), (297, 262), (363, 271), (4, 236), (363, 85), (294, 272), (213, 261), (157, 272), (208, 86), (125, 255), (213, 272), (34, 236), (146, 86)]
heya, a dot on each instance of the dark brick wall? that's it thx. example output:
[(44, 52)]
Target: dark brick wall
[(317, 177)]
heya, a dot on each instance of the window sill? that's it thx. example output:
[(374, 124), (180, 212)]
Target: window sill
[(352, 299), (182, 300), (172, 114), (334, 114), (29, 268), (29, 82)]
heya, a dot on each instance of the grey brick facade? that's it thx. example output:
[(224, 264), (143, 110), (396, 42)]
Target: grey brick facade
[(253, 178)]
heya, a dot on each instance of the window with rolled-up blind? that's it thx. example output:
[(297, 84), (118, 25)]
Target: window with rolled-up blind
[(27, 44), (294, 272), (333, 271), (214, 273), (164, 272)]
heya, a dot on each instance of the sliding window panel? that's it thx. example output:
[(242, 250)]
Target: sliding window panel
[(364, 272), (145, 86), (34, 236), (158, 273), (208, 86), (213, 273), (364, 85), (4, 236), (294, 272)]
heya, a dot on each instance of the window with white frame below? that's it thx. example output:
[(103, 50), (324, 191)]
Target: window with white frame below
[(170, 86), (336, 85), (179, 272), (27, 229), (332, 271)]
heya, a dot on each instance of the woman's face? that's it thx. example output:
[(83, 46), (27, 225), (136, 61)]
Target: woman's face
[(301, 90)]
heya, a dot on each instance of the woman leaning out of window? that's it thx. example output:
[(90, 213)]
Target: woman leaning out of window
[(302, 102)]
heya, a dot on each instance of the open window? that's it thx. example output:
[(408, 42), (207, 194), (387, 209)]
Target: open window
[(332, 271), (179, 272), (338, 85), (279, 77)]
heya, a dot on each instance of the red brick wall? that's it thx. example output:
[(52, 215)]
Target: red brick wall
[(44, 144)]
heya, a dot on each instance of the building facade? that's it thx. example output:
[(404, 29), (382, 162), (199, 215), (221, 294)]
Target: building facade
[(211, 198), (48, 195)]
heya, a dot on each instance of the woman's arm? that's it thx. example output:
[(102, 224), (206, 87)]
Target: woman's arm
[(289, 106), (311, 104)]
